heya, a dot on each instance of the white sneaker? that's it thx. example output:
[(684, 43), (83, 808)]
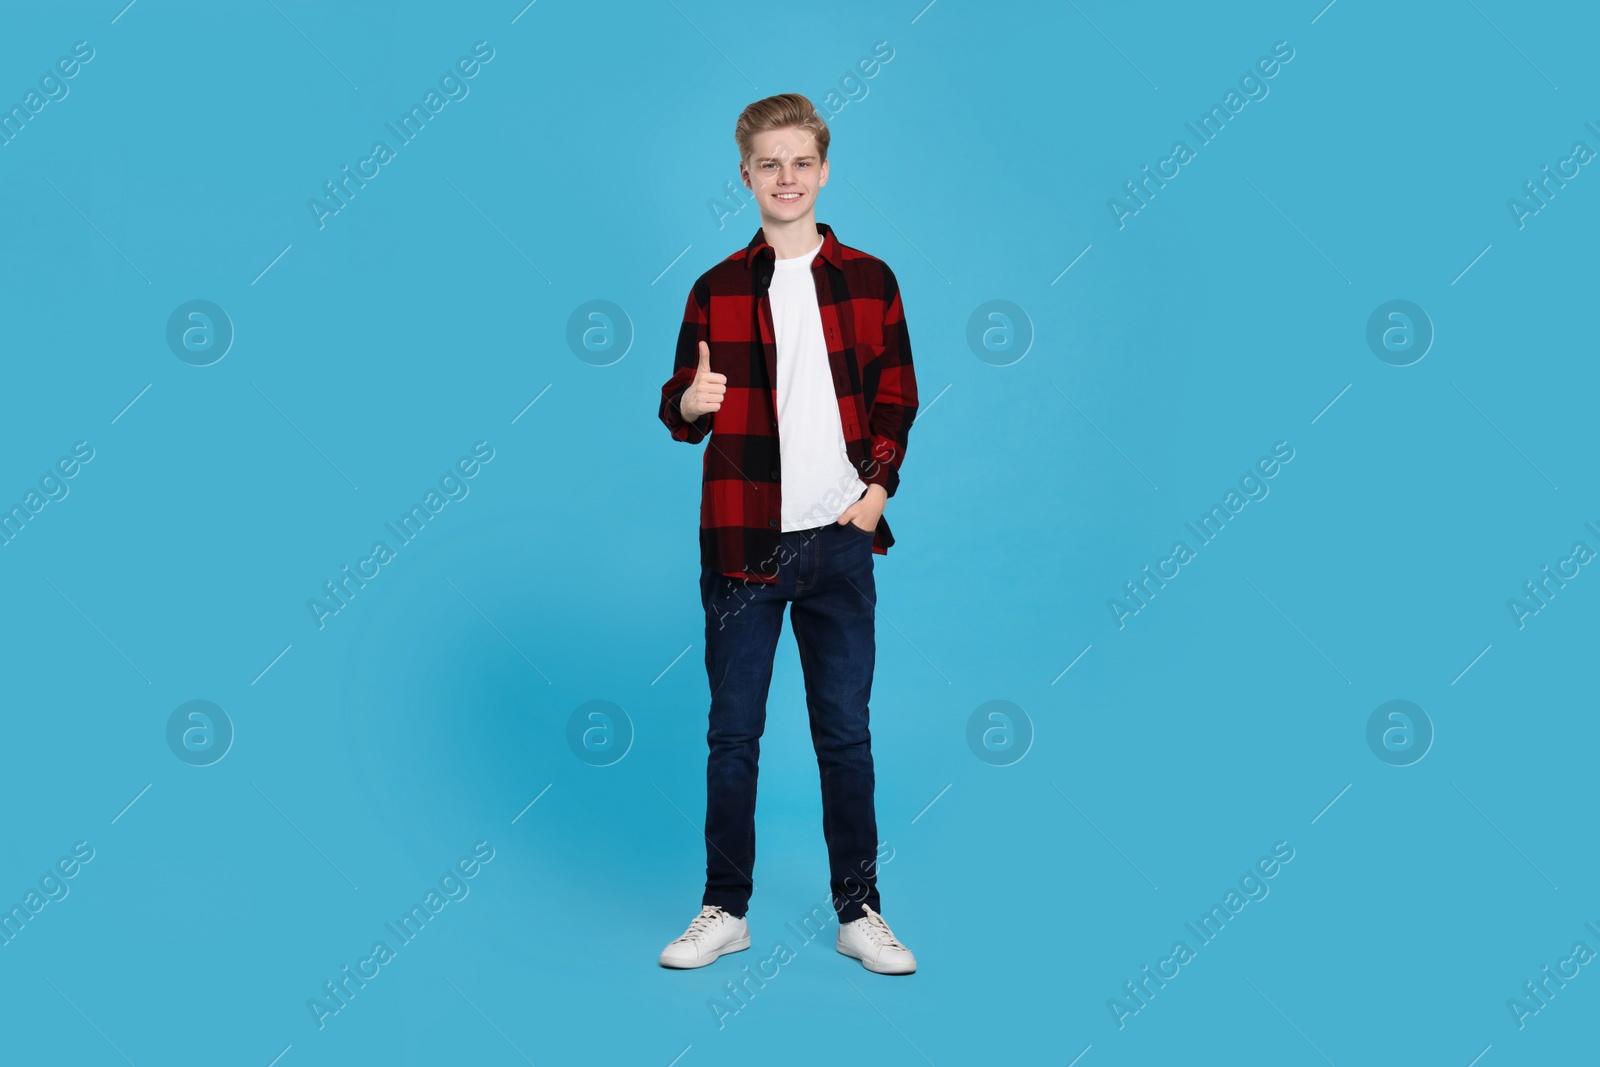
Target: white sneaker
[(870, 940), (713, 933)]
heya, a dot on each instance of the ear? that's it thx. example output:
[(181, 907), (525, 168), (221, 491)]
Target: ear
[(822, 177)]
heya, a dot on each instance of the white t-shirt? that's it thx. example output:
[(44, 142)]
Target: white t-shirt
[(819, 481)]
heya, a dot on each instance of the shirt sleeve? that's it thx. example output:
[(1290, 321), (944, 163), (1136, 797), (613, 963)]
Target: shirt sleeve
[(895, 405), (695, 328)]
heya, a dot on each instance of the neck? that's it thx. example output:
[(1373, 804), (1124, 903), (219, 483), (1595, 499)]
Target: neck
[(791, 239)]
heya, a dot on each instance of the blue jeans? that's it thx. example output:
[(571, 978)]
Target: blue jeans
[(826, 574)]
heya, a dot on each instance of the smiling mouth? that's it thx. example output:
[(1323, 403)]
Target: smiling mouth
[(787, 198)]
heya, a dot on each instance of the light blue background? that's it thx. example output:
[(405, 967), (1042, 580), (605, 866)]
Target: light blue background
[(431, 311)]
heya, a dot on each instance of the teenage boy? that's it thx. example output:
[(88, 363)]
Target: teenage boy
[(794, 361)]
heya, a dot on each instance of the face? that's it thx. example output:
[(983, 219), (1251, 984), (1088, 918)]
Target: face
[(785, 172)]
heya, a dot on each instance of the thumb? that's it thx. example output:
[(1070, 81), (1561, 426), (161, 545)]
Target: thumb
[(705, 358)]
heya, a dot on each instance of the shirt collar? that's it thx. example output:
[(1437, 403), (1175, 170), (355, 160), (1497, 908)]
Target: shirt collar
[(830, 247)]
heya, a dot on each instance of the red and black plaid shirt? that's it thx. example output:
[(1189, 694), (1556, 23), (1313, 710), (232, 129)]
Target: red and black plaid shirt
[(869, 352)]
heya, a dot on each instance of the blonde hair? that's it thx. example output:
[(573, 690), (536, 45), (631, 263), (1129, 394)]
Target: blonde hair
[(776, 113)]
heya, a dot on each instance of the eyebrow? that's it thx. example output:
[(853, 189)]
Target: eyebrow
[(774, 159)]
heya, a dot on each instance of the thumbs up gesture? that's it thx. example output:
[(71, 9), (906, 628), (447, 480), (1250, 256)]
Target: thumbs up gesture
[(705, 393)]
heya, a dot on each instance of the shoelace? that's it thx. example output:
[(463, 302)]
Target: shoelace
[(878, 930), (709, 916)]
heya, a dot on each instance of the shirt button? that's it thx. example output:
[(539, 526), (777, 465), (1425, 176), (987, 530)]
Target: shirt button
[(773, 474), (772, 522)]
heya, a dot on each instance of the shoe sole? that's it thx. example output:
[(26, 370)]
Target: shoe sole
[(871, 967), (684, 965)]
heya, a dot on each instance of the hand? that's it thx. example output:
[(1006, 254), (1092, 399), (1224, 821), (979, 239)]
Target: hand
[(704, 394), (866, 512)]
